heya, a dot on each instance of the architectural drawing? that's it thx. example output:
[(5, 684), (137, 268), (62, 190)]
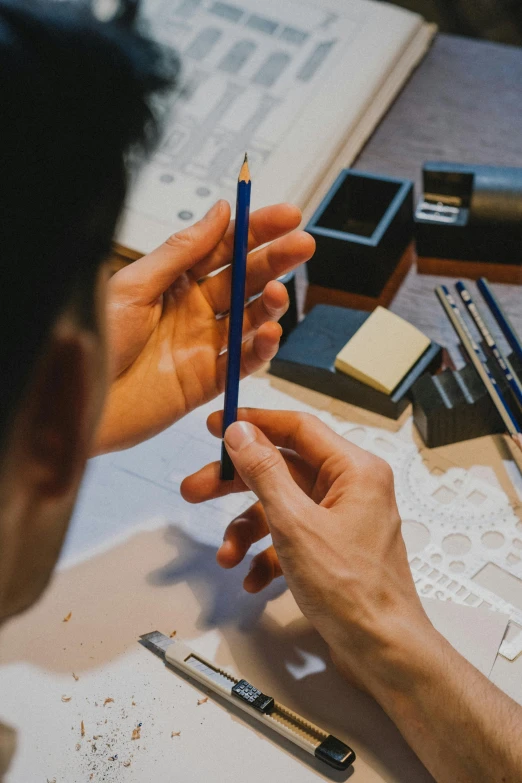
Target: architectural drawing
[(246, 77)]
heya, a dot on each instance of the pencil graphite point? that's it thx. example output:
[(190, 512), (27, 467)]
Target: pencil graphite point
[(244, 174)]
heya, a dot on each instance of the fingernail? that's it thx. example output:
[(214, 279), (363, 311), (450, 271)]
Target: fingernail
[(239, 435)]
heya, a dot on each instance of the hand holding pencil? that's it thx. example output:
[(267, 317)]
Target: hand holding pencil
[(168, 322)]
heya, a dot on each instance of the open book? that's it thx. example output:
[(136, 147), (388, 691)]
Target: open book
[(299, 84)]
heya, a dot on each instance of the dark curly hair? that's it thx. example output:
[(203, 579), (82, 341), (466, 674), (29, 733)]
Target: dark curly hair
[(76, 98)]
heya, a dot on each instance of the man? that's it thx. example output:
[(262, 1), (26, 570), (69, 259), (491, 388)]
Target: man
[(76, 98)]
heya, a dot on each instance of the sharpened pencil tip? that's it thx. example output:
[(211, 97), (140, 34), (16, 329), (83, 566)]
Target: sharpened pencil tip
[(244, 174)]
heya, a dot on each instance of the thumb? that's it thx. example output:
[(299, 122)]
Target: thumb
[(263, 470)]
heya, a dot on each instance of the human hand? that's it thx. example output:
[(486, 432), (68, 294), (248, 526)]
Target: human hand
[(336, 531), (166, 338), (331, 510)]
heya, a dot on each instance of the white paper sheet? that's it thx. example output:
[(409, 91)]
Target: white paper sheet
[(459, 525), (137, 559), (286, 80), (167, 580)]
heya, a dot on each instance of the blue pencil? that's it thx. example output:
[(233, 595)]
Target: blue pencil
[(503, 363), (502, 319), (237, 308)]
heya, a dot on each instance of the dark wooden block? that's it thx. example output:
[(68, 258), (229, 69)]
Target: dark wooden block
[(317, 294), (308, 357), (362, 228), (472, 270), (455, 405)]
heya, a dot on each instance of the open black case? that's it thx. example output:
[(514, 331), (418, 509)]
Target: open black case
[(469, 222)]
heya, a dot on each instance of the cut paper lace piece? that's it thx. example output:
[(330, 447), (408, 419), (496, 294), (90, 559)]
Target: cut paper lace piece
[(470, 523)]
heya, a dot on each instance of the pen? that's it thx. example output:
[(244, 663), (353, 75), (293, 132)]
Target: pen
[(474, 353), (500, 317), (503, 363), (237, 307)]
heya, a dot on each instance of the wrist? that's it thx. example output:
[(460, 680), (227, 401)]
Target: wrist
[(398, 655), (410, 653)]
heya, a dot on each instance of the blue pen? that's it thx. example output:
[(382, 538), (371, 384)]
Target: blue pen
[(500, 317), (237, 308), (477, 360), (502, 361)]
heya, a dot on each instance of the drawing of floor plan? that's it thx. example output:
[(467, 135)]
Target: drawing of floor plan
[(246, 76), (298, 84)]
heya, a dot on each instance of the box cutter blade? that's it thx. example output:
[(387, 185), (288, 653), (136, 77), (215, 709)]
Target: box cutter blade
[(243, 694)]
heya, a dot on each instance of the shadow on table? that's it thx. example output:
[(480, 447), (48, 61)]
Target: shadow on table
[(283, 655), (167, 580)]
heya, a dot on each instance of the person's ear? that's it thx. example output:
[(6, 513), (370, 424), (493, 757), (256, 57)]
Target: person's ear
[(62, 410)]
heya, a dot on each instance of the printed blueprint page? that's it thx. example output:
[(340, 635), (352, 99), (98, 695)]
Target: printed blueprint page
[(280, 80)]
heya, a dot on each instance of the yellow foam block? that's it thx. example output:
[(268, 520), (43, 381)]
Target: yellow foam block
[(382, 351)]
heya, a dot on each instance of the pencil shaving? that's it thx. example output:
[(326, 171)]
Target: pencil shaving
[(82, 729), (173, 634), (136, 733), (203, 701), (66, 698), (108, 700), (66, 619), (175, 734), (75, 676)]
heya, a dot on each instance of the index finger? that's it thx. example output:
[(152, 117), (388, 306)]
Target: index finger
[(266, 224), (303, 433), (151, 275), (206, 483)]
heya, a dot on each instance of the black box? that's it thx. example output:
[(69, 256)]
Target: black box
[(308, 357), (291, 318), (362, 228), (455, 405), (473, 215)]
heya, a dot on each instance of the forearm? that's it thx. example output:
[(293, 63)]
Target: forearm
[(462, 727)]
